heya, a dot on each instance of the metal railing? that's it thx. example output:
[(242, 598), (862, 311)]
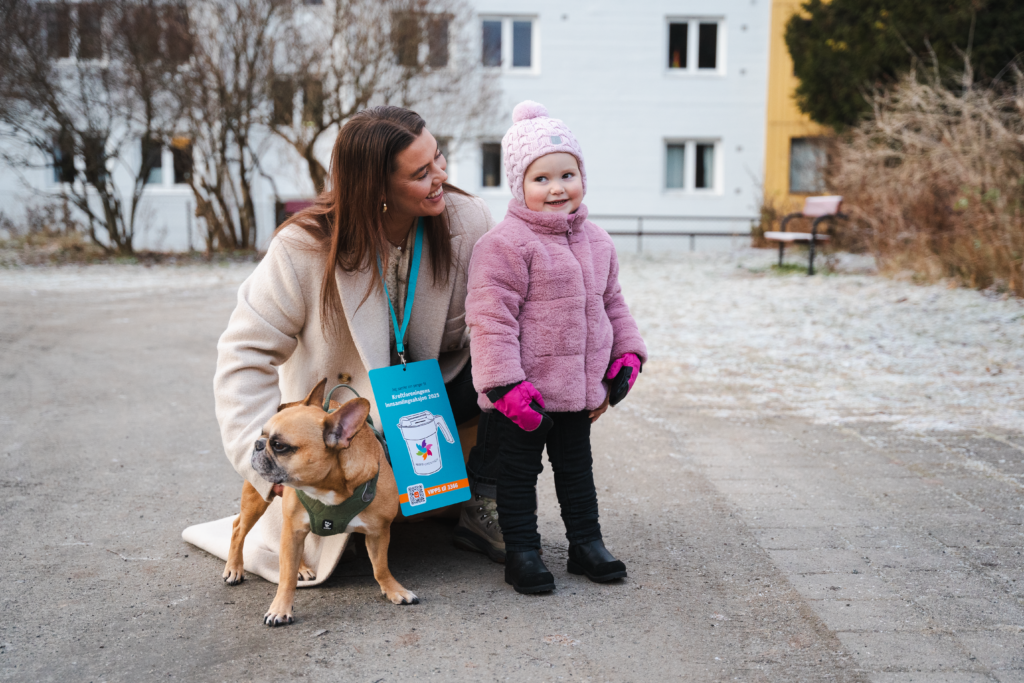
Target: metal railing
[(692, 234)]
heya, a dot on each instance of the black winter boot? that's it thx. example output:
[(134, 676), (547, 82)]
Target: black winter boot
[(526, 572), (594, 560)]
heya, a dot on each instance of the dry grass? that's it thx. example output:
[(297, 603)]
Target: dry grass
[(934, 183), (48, 234), (768, 216)]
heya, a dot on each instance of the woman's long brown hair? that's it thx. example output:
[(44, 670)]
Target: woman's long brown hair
[(346, 219)]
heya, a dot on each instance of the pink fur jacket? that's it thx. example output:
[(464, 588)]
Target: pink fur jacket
[(545, 305)]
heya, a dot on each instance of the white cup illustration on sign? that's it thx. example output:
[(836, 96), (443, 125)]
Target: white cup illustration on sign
[(420, 434)]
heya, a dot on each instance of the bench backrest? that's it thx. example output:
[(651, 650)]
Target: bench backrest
[(822, 206)]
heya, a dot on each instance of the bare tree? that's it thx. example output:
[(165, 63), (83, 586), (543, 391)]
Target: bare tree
[(347, 55), (223, 97), (82, 84)]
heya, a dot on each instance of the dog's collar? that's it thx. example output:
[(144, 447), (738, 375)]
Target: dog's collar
[(327, 520)]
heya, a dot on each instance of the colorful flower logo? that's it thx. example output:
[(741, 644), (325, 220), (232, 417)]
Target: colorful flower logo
[(423, 449)]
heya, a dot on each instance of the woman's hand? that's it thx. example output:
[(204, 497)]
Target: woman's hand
[(594, 414)]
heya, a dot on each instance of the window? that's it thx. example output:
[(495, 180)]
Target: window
[(509, 42), (677, 41), (492, 43), (141, 27), (692, 165), (675, 159), (58, 31), (491, 153), (313, 102), (153, 162), (157, 33), (177, 38), (181, 156), (64, 158), (437, 41), (95, 153), (410, 30), (694, 46), (707, 50), (90, 31), (806, 165), (282, 94), (522, 40), (405, 35)]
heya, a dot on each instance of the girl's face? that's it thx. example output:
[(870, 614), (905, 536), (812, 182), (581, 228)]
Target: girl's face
[(553, 184), (414, 189)]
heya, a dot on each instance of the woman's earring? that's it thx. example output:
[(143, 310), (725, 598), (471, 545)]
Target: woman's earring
[(385, 208)]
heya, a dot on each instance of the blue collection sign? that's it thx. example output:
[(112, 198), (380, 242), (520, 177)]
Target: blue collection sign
[(419, 427)]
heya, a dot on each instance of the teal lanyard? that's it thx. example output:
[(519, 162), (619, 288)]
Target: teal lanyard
[(417, 251)]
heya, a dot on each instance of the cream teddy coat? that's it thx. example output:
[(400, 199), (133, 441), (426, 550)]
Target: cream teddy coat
[(273, 352)]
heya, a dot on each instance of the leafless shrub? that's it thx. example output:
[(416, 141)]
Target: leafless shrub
[(934, 182), (769, 215), (49, 232), (222, 94)]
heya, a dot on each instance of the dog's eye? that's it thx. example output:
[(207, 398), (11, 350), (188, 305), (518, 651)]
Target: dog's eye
[(279, 447)]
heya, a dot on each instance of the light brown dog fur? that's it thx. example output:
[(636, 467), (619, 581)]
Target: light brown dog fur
[(327, 456)]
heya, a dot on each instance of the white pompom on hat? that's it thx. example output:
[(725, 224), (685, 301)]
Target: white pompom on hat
[(532, 135)]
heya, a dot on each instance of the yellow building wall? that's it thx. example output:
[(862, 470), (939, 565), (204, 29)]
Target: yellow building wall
[(785, 120)]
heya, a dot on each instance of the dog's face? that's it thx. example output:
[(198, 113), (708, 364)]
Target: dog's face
[(301, 443)]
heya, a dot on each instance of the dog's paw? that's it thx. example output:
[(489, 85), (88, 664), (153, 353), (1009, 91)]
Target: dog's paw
[(275, 618), (233, 576), (401, 596), (306, 574)]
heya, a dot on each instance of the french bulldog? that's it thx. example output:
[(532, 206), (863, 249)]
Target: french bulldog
[(327, 456)]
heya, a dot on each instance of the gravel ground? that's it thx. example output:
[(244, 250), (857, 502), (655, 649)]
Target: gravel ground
[(760, 546)]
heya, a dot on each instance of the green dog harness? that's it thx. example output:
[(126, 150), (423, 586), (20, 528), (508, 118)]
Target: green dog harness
[(327, 520)]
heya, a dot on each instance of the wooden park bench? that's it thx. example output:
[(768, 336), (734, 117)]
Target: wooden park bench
[(818, 208)]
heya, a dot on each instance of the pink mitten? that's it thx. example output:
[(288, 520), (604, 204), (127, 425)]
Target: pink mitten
[(515, 405), (621, 376), (629, 360)]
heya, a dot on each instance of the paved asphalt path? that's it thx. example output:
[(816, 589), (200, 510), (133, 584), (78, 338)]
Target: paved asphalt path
[(771, 550)]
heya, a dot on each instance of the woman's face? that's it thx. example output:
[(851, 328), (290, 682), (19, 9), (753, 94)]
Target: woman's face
[(414, 189)]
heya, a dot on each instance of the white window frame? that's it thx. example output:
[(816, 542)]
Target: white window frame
[(166, 184), (692, 47), (506, 43), (689, 187)]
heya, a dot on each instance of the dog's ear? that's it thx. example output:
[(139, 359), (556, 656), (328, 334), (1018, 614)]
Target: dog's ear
[(316, 397), (341, 425)]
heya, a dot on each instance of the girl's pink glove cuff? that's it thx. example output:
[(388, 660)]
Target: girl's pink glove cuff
[(629, 360), (515, 405)]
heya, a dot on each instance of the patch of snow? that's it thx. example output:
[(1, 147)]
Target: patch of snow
[(726, 334)]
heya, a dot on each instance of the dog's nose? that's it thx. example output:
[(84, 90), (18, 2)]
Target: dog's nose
[(261, 444)]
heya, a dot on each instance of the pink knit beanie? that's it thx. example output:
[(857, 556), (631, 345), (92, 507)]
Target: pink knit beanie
[(532, 135)]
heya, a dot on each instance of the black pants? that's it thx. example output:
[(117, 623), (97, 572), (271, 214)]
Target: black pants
[(519, 455), (483, 457)]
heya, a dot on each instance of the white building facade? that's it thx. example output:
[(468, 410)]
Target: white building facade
[(667, 99)]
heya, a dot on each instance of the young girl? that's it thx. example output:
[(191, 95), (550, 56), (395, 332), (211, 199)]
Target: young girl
[(550, 333)]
